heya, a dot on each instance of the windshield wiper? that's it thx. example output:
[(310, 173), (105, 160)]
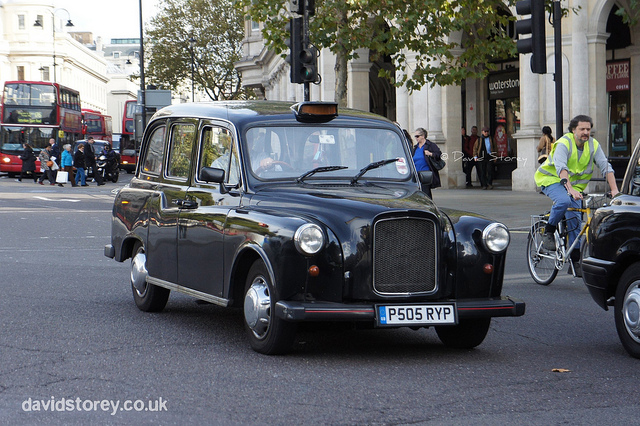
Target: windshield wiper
[(321, 169), (372, 166)]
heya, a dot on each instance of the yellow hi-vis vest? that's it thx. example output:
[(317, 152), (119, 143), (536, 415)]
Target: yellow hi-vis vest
[(580, 170)]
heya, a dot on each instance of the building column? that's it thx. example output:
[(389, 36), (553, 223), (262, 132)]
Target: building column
[(528, 136), (358, 78), (453, 176), (580, 80), (598, 97), (402, 106), (634, 109)]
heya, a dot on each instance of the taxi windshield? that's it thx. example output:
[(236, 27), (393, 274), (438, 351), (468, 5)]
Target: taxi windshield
[(286, 153)]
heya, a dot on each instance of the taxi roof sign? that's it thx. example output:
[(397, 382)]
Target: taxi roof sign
[(315, 111)]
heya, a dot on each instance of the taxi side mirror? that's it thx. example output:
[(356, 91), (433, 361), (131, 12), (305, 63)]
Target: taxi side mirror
[(426, 177), (211, 174)]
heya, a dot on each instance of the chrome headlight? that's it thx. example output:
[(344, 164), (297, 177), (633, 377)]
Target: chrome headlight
[(496, 237), (309, 239)]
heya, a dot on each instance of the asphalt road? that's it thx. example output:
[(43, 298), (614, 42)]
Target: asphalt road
[(71, 336)]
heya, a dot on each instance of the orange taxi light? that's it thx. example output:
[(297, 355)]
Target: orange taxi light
[(315, 112), (319, 109), (314, 271)]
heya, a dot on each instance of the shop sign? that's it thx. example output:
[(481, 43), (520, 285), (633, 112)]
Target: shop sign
[(618, 76), (504, 86)]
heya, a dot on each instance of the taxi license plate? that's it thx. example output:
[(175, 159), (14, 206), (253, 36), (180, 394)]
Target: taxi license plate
[(416, 314)]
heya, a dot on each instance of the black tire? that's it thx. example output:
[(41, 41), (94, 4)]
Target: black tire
[(627, 310), (267, 333), (466, 335), (149, 298), (542, 267), (114, 176), (584, 251)]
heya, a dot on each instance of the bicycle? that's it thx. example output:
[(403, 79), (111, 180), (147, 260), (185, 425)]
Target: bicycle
[(543, 264)]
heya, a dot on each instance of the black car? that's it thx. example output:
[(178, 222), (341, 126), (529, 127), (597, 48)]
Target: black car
[(98, 146), (611, 267), (303, 213)]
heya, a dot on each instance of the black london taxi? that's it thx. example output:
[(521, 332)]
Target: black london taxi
[(300, 213), (611, 264)]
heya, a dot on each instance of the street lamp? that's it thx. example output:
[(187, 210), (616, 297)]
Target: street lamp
[(135, 53), (40, 24), (192, 43)]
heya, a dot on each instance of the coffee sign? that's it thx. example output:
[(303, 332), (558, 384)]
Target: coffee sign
[(618, 76)]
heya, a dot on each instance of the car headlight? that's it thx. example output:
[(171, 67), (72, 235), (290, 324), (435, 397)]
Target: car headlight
[(309, 239), (496, 237)]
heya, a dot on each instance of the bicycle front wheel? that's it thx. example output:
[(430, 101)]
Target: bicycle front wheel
[(541, 263)]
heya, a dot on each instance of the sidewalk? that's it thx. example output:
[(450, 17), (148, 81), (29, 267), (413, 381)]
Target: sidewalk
[(513, 208)]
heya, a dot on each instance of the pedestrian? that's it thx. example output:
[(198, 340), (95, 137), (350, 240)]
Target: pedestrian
[(55, 157), (484, 154), (90, 160), (67, 163), (28, 162), (472, 141), (545, 144), (424, 151), (78, 160), (46, 165), (467, 155), (55, 151), (564, 176)]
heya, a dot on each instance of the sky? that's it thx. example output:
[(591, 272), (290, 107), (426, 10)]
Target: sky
[(107, 18)]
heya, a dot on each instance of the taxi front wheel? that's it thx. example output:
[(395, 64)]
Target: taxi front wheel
[(148, 297), (267, 333), (627, 310)]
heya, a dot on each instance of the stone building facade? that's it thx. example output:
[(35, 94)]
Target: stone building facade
[(599, 56)]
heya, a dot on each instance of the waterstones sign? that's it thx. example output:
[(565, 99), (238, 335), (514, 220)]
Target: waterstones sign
[(504, 86)]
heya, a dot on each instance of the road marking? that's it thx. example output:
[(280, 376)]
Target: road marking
[(71, 200)]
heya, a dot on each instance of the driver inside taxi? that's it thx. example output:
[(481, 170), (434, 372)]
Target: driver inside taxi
[(256, 143)]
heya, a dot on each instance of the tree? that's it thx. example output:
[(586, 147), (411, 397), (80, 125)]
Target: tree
[(429, 41), (217, 29)]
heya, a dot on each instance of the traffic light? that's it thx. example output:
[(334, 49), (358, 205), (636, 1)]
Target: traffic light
[(535, 25), (309, 65), (295, 49), (299, 6)]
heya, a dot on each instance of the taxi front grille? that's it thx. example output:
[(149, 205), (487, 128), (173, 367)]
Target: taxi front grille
[(404, 256)]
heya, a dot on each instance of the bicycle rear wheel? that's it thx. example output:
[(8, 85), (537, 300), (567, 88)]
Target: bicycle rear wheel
[(541, 263)]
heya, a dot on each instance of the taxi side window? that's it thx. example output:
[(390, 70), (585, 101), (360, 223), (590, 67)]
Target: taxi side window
[(155, 150), (180, 149), (217, 151)]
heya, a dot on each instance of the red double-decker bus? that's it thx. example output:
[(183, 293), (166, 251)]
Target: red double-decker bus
[(128, 149), (97, 124), (34, 112)]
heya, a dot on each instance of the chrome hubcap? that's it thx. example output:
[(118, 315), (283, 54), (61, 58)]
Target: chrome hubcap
[(257, 307), (139, 273), (631, 311)]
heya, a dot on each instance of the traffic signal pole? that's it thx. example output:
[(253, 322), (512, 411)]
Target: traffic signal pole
[(305, 44), (303, 57), (557, 77), (536, 45)]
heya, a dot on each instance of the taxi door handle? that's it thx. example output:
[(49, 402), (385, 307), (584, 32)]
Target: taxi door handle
[(186, 204)]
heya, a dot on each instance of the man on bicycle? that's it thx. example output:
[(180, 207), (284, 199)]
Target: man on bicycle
[(566, 173)]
